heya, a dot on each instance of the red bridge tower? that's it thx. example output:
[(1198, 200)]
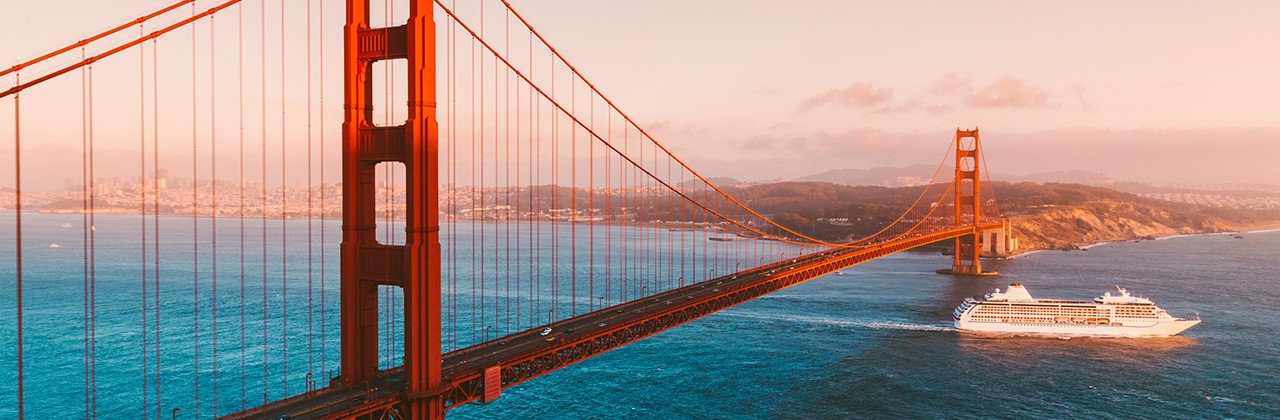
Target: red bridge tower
[(968, 204), (367, 264)]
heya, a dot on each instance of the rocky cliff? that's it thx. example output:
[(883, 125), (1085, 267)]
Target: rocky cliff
[(1072, 226)]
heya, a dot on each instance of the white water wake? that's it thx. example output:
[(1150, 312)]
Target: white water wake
[(843, 323)]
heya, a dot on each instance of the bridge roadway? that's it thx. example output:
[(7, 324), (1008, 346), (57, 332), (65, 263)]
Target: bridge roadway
[(524, 355)]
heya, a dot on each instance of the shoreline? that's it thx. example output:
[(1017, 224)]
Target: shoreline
[(1262, 227)]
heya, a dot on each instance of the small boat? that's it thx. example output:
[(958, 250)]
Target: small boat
[(54, 245)]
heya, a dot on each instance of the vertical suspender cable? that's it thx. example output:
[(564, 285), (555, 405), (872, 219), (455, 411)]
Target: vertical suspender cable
[(195, 223), (556, 190), (608, 191), (142, 160), (262, 17), (478, 73), (535, 202), (155, 210), (213, 217), (519, 226), (85, 219), (240, 122), (17, 200), (453, 194), (93, 269), (474, 187), (284, 213), (310, 226), (452, 58), (506, 191), (324, 365), (591, 204), (535, 199), (573, 200), (624, 226), (497, 307)]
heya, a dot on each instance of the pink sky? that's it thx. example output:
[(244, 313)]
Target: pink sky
[(1152, 91)]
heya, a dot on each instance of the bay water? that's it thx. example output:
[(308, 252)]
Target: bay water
[(874, 340)]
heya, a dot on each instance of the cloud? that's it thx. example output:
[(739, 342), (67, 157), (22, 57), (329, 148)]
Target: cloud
[(942, 97), (1007, 93), (858, 95), (1241, 155), (1079, 92), (915, 106), (951, 85)]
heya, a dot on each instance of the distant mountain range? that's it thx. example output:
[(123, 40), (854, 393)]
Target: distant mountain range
[(1233, 195), (920, 174)]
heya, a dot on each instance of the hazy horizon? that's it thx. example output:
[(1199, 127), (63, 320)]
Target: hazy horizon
[(754, 91)]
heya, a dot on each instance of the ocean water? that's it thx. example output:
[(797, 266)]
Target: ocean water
[(876, 341), (872, 341)]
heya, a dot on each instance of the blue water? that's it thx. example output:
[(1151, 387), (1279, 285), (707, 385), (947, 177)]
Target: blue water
[(873, 341), (876, 341)]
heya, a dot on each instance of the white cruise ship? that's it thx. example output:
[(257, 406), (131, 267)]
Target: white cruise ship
[(1014, 310)]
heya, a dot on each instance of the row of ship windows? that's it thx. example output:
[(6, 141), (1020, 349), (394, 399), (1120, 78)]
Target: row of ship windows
[(1041, 311), (1065, 311), (1015, 319), (999, 309), (1041, 319), (988, 315)]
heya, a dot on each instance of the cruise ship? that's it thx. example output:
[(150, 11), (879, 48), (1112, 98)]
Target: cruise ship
[(1014, 310)]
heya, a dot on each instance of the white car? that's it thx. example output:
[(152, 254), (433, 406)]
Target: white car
[(546, 331)]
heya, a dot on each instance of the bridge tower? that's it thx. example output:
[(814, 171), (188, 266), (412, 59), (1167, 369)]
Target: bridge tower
[(968, 205), (367, 264)]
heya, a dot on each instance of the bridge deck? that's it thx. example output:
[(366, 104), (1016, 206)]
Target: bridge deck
[(528, 354)]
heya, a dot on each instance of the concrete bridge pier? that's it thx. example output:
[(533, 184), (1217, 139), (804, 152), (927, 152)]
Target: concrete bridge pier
[(998, 242), (995, 242)]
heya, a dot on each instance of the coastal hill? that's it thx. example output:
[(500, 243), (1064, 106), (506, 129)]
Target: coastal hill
[(1044, 216), (1066, 216)]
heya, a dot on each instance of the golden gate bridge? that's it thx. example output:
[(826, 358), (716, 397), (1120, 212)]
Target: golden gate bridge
[(501, 218)]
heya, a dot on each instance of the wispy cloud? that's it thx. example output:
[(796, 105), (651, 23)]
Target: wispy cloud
[(857, 95), (1240, 155), (943, 96), (1007, 93), (951, 85)]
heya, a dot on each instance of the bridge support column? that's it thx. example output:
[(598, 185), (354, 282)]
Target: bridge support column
[(998, 242), (422, 313), (968, 206), (366, 264)]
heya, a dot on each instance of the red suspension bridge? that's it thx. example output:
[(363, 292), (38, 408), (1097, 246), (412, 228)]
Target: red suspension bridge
[(501, 218)]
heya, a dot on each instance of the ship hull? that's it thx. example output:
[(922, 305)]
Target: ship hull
[(1159, 329)]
